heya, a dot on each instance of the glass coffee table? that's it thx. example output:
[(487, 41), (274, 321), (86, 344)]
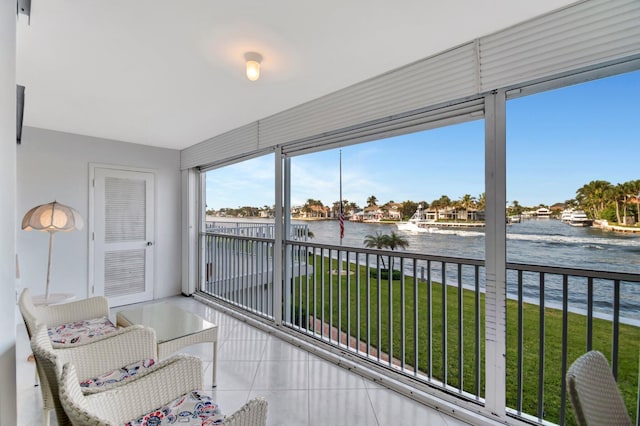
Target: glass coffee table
[(175, 328)]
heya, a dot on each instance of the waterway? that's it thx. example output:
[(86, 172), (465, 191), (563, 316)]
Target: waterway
[(545, 242)]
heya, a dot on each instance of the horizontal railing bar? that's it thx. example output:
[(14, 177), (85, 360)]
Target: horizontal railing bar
[(586, 273), (397, 254)]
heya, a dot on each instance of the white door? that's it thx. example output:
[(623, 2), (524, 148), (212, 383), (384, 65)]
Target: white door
[(122, 234)]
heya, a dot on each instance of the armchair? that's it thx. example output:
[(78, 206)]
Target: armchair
[(169, 390), (100, 363), (594, 393), (66, 322)]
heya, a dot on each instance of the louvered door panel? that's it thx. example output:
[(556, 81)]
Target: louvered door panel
[(123, 235)]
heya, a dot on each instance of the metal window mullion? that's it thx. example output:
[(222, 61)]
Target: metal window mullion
[(495, 254), (416, 358)]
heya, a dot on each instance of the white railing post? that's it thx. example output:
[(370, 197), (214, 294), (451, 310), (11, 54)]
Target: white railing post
[(495, 254)]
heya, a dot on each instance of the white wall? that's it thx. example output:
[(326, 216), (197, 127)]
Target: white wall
[(8, 407), (55, 166)]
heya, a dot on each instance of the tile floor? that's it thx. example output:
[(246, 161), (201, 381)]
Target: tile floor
[(301, 388)]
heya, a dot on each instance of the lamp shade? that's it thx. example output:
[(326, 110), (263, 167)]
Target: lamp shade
[(52, 217)]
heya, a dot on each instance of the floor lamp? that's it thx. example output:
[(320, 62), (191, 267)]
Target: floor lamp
[(52, 218)]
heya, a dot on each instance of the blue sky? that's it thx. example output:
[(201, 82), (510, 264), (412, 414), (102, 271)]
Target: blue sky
[(556, 142)]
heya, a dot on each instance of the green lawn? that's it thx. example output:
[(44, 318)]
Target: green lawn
[(391, 339)]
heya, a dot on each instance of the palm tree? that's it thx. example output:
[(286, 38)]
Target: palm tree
[(482, 201), (381, 241), (466, 202), (394, 241), (378, 241), (617, 194), (635, 184), (630, 190), (516, 208), (594, 196), (372, 201), (408, 209)]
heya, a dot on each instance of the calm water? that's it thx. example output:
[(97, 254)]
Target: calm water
[(542, 242)]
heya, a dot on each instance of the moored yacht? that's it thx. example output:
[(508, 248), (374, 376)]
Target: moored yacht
[(579, 218), (566, 215), (418, 222)]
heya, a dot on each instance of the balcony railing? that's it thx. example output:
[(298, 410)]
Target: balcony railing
[(424, 320)]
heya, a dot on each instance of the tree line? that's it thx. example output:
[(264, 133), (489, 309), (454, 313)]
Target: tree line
[(603, 200), (600, 199)]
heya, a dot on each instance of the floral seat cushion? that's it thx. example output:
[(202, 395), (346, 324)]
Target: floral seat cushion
[(194, 408), (117, 375), (75, 332)]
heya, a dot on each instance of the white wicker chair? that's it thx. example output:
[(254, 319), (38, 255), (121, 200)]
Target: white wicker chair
[(143, 394), (52, 316), (91, 359), (594, 393)]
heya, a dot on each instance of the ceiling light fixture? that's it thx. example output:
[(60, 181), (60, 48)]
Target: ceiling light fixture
[(253, 65)]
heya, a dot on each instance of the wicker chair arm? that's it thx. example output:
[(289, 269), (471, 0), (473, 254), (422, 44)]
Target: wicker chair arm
[(102, 354), (253, 413)]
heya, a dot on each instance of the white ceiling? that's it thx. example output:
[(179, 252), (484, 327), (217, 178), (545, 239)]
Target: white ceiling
[(170, 73)]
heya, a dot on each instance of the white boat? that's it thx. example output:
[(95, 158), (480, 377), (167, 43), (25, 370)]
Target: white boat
[(418, 222), (579, 218), (543, 213), (566, 215)]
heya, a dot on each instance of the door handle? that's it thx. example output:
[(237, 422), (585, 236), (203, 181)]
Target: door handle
[(149, 243)]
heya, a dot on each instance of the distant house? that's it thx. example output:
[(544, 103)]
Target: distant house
[(393, 211), (317, 212), (372, 214)]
